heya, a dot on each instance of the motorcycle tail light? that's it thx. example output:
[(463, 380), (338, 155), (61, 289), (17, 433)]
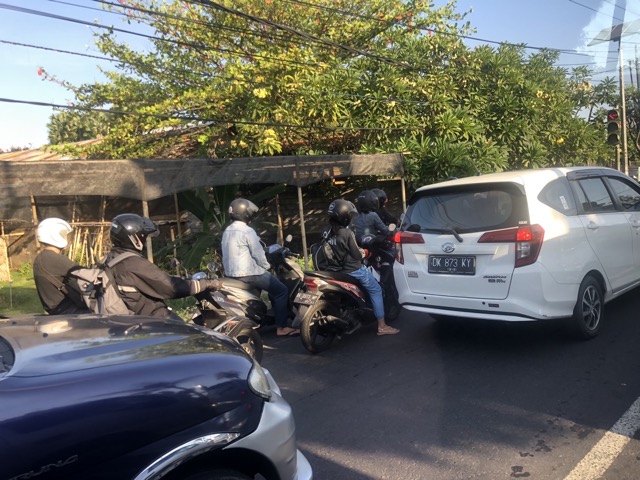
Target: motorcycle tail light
[(313, 283)]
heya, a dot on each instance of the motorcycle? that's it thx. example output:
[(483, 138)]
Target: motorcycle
[(221, 315), (249, 300), (333, 304), (379, 257)]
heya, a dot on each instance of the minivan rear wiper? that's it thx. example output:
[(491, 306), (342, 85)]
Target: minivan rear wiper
[(453, 232)]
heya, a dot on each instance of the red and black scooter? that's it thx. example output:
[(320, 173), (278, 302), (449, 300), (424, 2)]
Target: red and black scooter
[(333, 304)]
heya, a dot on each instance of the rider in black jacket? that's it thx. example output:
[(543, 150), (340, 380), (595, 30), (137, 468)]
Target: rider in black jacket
[(142, 285), (57, 292), (343, 242), (384, 214)]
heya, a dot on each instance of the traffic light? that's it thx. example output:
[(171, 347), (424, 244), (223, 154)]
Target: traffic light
[(613, 127)]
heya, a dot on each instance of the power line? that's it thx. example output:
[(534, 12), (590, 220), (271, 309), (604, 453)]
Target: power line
[(594, 10), (197, 47), (624, 9), (135, 33), (161, 116), (222, 77), (434, 30), (40, 47)]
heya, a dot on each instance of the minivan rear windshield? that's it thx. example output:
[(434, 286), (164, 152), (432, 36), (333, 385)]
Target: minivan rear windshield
[(466, 209)]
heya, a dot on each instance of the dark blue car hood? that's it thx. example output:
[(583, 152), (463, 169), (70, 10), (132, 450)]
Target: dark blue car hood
[(47, 345), (104, 397)]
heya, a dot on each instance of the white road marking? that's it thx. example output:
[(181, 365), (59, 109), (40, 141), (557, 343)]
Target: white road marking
[(602, 455)]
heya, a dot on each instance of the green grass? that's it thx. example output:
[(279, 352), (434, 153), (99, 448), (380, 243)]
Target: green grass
[(20, 296)]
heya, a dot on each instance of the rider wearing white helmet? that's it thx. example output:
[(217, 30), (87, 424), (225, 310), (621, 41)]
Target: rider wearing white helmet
[(58, 294)]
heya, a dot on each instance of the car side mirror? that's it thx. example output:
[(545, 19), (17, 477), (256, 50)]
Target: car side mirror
[(413, 228)]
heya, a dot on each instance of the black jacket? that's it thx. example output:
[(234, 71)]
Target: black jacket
[(58, 293), (387, 217), (144, 286), (345, 247)]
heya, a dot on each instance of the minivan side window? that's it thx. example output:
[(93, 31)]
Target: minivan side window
[(593, 195), (557, 195), (627, 194)]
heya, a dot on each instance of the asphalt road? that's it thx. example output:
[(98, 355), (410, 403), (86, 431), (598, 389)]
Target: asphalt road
[(466, 400)]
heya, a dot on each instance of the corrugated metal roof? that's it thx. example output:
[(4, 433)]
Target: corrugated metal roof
[(45, 153)]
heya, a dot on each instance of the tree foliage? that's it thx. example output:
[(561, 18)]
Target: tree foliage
[(262, 77), (72, 126)]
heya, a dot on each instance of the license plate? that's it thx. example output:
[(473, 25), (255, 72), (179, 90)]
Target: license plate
[(304, 298), (452, 264)]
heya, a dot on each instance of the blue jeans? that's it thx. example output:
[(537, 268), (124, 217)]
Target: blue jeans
[(371, 285), (278, 294)]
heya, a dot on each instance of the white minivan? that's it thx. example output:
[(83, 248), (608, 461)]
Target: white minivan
[(527, 245)]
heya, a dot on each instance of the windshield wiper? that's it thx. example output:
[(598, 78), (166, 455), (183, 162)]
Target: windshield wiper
[(453, 232)]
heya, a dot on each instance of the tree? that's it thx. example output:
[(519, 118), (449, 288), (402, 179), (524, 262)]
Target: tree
[(72, 126), (263, 77)]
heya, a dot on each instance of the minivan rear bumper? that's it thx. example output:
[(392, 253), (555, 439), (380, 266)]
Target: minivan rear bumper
[(533, 295)]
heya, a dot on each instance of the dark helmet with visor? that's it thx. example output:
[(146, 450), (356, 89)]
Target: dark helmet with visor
[(243, 210), (382, 196), (367, 201), (341, 211), (130, 231)]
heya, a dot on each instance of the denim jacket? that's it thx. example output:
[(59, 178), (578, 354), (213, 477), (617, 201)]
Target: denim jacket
[(242, 252)]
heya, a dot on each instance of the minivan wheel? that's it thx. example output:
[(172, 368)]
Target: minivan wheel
[(589, 309)]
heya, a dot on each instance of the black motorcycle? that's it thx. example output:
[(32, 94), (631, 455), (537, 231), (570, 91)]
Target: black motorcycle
[(380, 257), (219, 314)]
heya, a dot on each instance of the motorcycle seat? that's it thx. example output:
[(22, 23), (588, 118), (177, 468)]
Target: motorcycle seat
[(341, 276), (235, 283)]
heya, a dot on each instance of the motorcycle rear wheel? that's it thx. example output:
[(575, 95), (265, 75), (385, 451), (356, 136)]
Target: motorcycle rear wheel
[(317, 338), (251, 341)]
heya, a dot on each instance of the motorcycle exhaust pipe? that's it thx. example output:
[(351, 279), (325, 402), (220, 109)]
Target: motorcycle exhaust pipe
[(337, 321)]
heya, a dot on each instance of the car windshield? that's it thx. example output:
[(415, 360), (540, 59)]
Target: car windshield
[(466, 209)]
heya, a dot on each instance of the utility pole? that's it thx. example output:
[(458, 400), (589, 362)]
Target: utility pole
[(615, 34), (623, 110)]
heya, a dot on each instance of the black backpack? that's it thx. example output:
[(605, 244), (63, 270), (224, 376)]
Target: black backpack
[(323, 254)]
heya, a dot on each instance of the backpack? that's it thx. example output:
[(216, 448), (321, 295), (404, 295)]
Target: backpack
[(323, 255), (98, 287)]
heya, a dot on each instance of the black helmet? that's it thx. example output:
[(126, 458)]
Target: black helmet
[(243, 210), (130, 231), (341, 211), (367, 201), (382, 197)]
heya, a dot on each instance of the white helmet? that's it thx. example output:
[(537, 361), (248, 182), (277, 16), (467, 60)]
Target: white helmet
[(53, 231)]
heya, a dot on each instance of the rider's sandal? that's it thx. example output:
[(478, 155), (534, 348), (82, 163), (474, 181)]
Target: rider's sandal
[(387, 330)]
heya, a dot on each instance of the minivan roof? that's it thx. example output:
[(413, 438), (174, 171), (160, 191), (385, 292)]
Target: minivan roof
[(516, 176)]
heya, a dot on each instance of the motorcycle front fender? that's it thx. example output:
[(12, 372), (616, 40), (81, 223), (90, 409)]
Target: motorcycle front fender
[(237, 324)]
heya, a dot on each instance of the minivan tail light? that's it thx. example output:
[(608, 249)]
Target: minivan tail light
[(528, 241), (405, 238)]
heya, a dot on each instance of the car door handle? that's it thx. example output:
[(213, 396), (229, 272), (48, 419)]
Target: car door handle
[(635, 224), (592, 226)]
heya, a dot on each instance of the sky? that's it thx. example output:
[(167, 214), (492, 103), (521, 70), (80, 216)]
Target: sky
[(559, 24)]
